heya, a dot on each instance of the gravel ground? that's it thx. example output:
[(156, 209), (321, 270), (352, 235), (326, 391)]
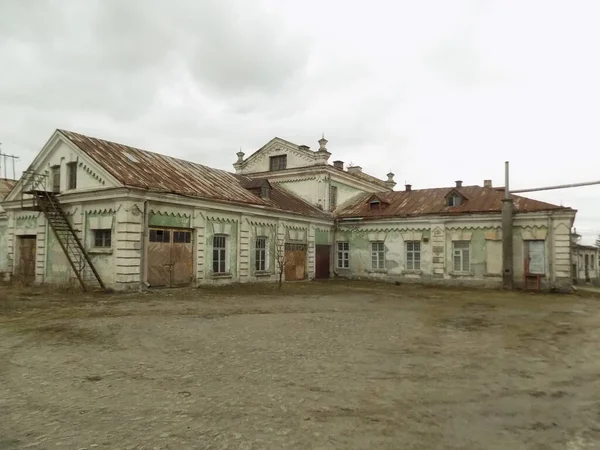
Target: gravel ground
[(313, 366)]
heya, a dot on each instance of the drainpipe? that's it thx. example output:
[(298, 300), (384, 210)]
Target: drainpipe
[(334, 247), (144, 248), (550, 241), (507, 234)]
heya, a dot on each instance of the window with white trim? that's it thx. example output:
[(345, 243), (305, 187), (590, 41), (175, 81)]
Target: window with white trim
[(461, 256), (219, 254), (377, 255), (343, 255), (413, 255), (260, 260)]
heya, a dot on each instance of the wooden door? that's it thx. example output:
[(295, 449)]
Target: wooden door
[(295, 267), (26, 267), (322, 255), (170, 257), (182, 258), (159, 258)]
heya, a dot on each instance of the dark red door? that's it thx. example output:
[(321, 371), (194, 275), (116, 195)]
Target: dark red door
[(322, 261)]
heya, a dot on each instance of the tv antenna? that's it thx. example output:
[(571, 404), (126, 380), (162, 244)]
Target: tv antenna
[(4, 158)]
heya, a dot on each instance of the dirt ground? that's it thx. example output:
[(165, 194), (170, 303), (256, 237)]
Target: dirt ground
[(313, 366)]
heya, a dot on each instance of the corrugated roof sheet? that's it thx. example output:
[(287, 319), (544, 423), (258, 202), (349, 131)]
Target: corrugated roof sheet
[(433, 201), (138, 168), (6, 186)]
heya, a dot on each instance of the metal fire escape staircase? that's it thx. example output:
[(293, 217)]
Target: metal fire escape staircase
[(35, 185)]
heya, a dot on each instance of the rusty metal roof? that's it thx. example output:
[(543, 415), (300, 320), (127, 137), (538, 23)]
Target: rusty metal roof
[(421, 202), (6, 186), (138, 168)]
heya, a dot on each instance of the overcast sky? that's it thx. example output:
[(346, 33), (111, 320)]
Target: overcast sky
[(434, 90)]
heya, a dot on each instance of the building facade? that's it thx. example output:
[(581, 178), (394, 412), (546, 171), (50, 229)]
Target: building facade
[(584, 262), (103, 213)]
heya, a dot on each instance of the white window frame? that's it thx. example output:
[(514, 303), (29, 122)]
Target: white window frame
[(458, 251), (343, 255), (223, 253), (378, 255), (413, 255), (261, 254)]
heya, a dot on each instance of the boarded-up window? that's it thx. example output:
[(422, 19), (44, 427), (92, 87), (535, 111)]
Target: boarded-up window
[(493, 257), (332, 197), (536, 257)]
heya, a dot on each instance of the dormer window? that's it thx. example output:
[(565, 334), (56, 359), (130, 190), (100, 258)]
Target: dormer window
[(376, 203), (453, 200), (278, 162), (265, 191)]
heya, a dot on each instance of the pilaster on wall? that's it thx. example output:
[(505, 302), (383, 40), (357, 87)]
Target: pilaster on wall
[(10, 243), (128, 229), (438, 249), (244, 250), (40, 251), (561, 241), (311, 251), (199, 225)]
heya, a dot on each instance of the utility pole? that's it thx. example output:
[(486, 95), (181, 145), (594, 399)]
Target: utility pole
[(507, 233)]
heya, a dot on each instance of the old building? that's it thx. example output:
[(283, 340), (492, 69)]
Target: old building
[(6, 186), (584, 261), (453, 236), (116, 216)]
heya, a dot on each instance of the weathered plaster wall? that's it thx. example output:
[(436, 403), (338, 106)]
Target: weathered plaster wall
[(307, 188), (437, 236), (345, 192)]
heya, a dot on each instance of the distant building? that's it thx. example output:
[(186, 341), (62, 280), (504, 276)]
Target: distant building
[(121, 217), (584, 262)]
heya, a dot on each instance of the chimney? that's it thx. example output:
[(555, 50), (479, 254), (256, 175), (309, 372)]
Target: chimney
[(408, 187), (487, 183), (354, 169), (459, 183), (338, 165)]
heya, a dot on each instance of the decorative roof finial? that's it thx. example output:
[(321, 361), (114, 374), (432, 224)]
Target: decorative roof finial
[(323, 144)]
